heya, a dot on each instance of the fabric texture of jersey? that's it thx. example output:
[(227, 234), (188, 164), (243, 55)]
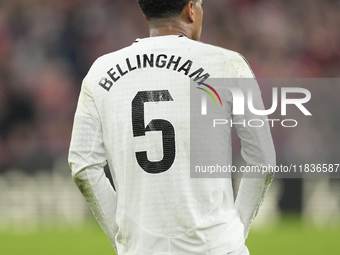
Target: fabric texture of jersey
[(127, 100)]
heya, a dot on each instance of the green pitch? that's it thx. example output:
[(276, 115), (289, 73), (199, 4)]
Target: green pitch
[(292, 237), (288, 237)]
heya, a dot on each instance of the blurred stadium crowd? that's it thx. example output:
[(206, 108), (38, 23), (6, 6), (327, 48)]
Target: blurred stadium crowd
[(47, 47)]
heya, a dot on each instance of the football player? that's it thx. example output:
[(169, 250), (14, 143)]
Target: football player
[(134, 113)]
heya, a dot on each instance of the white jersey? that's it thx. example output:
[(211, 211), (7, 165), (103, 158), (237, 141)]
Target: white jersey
[(156, 208)]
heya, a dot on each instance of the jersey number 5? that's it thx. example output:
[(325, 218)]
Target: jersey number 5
[(139, 129)]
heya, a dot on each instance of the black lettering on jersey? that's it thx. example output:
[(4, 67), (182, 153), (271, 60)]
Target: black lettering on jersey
[(159, 63), (139, 129), (112, 75), (199, 75), (138, 62), (147, 60), (176, 62), (129, 65), (106, 84), (186, 67), (120, 70), (162, 60)]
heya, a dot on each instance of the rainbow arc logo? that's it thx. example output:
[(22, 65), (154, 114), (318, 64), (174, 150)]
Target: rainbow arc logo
[(209, 93)]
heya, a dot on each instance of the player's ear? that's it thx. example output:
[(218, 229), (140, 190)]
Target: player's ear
[(189, 11)]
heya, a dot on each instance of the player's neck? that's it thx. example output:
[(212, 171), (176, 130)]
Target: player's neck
[(162, 29)]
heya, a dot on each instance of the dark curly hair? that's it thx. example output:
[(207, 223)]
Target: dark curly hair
[(155, 9)]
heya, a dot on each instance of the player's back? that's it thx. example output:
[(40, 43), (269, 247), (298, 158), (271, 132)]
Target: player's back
[(142, 94)]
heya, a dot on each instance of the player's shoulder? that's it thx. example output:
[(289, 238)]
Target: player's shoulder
[(229, 58), (226, 54), (223, 51), (226, 58), (171, 41)]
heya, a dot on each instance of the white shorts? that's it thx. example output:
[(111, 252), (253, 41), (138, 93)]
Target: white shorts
[(243, 250)]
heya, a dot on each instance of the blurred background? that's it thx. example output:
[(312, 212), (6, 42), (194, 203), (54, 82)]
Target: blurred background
[(47, 47)]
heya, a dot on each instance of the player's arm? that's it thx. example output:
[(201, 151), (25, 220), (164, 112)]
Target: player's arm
[(87, 157), (257, 149)]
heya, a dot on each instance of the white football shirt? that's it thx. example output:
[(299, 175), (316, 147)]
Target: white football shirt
[(134, 113)]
